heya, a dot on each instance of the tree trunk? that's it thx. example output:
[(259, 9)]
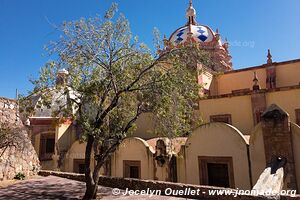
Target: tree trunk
[(90, 183), (92, 178), (91, 190)]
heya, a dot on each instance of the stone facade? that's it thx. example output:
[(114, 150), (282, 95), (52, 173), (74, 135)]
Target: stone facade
[(259, 105), (19, 156), (278, 141)]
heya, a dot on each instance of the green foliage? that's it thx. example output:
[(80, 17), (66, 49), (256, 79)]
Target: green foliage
[(19, 176), (115, 78)]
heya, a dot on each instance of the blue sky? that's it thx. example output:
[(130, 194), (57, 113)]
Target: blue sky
[(251, 26)]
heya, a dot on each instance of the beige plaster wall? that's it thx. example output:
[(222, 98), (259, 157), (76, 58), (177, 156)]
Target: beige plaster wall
[(217, 139), (37, 143), (77, 151), (181, 165), (61, 137), (296, 148), (257, 153), (240, 80), (65, 136), (287, 100), (135, 149), (288, 74), (239, 107), (60, 130)]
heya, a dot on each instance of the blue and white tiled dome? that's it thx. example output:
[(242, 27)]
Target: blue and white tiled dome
[(200, 33), (204, 37)]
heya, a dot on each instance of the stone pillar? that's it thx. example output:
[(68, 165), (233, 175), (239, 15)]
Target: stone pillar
[(271, 77), (278, 141), (258, 101)]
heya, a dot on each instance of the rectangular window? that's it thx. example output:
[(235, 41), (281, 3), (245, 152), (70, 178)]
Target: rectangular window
[(297, 116), (134, 171), (78, 166), (218, 174), (226, 118), (47, 146), (216, 171), (50, 142), (131, 169)]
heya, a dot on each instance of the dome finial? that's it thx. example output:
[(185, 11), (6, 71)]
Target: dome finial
[(191, 13)]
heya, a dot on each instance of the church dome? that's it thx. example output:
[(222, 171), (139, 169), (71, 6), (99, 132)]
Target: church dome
[(192, 31), (204, 37), (199, 33)]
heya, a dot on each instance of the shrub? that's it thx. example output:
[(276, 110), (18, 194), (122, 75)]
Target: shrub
[(19, 176)]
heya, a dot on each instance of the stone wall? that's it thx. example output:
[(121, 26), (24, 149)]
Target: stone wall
[(137, 184), (8, 112), (278, 141), (19, 155)]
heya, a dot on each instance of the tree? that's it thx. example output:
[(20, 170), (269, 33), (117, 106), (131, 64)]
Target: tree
[(9, 137), (115, 79)]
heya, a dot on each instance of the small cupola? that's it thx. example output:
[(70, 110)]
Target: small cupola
[(61, 77)]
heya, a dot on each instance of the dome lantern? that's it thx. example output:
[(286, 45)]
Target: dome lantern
[(61, 77), (191, 14)]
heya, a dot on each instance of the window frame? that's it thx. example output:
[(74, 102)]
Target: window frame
[(43, 155), (126, 167), (203, 170), (228, 116)]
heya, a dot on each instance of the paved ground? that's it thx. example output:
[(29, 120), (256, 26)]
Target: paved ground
[(52, 187)]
